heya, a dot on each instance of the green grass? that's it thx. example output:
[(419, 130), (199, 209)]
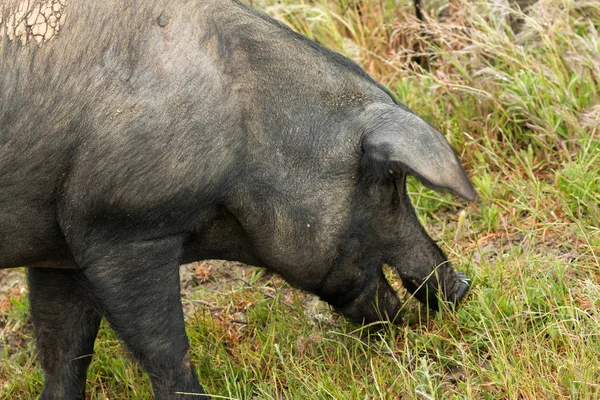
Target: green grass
[(518, 95)]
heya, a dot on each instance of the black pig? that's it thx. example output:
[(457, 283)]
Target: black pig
[(139, 135)]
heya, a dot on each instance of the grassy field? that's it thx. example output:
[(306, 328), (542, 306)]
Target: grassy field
[(517, 93)]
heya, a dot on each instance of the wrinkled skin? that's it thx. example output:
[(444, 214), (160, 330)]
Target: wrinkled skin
[(138, 138)]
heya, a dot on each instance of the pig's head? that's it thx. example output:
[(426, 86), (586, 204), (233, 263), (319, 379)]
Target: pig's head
[(328, 210), (318, 188), (396, 142)]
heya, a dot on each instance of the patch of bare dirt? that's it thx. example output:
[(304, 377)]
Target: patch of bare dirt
[(217, 277)]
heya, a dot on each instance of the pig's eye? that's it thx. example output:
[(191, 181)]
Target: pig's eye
[(395, 198)]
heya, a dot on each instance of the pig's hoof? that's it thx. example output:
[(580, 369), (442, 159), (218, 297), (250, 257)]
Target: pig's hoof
[(463, 287)]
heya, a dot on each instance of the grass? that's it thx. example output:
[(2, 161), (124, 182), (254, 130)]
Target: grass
[(517, 92)]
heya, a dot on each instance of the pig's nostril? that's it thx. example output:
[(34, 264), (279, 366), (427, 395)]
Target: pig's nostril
[(463, 278), (463, 287)]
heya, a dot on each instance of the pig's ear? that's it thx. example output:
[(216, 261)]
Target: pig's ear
[(398, 141)]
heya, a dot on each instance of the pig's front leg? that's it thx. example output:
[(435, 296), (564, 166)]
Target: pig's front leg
[(136, 282)]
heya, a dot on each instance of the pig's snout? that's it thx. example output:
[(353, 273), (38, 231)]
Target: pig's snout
[(461, 288)]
